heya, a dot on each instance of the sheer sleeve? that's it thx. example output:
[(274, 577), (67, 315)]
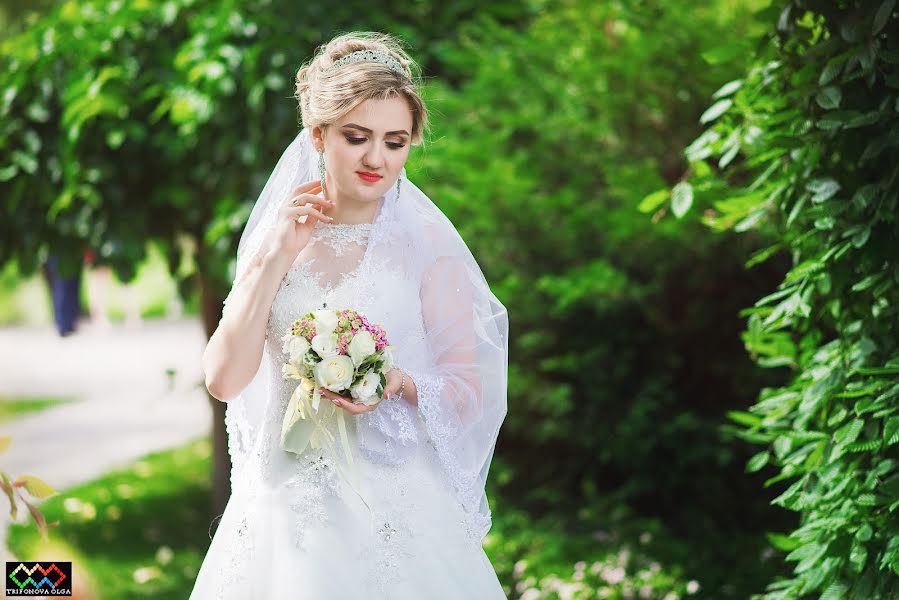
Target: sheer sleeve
[(462, 392), (459, 363)]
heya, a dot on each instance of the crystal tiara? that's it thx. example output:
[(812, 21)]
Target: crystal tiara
[(374, 55)]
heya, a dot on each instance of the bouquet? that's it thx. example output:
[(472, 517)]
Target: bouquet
[(342, 351)]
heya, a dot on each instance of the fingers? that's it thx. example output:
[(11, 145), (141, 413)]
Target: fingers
[(307, 187), (392, 387), (346, 403), (296, 211), (309, 197)]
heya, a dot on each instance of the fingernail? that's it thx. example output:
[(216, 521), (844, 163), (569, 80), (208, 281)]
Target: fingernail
[(335, 401)]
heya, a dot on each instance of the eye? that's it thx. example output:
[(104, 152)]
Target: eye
[(360, 140)]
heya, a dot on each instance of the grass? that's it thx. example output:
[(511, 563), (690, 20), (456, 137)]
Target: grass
[(13, 408), (141, 532)]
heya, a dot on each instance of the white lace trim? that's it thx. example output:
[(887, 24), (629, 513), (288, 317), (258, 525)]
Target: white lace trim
[(237, 441), (395, 420), (443, 433)]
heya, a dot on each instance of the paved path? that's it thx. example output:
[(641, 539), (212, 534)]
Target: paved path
[(126, 405)]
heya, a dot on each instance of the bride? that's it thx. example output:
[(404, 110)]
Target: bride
[(338, 225)]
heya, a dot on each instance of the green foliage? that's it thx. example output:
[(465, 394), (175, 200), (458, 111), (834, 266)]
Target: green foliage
[(122, 122), (805, 148), (137, 532), (624, 353), (624, 345), (553, 557)]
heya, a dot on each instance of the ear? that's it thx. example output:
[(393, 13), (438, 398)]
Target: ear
[(318, 138)]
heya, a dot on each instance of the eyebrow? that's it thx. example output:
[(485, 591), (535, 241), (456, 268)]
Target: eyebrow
[(367, 130)]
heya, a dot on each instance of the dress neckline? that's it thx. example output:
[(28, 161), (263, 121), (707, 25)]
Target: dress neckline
[(346, 225)]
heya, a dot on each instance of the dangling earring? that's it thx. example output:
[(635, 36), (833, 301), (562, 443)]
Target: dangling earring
[(321, 171), (398, 180)]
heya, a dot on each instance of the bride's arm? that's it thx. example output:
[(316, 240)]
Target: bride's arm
[(234, 351), (447, 311)]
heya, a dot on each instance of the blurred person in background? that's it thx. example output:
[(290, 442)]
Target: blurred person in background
[(65, 291)]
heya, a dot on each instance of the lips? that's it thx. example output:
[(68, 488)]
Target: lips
[(369, 177)]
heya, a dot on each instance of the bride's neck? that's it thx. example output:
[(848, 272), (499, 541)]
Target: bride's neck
[(351, 211)]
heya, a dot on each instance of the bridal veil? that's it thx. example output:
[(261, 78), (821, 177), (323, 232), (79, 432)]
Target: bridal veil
[(462, 389)]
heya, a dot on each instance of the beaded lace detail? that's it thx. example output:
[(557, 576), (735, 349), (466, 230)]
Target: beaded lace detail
[(339, 236), (235, 552), (238, 550), (316, 478), (394, 530)]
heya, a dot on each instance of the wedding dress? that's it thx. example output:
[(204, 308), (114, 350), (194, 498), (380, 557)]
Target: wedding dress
[(412, 524)]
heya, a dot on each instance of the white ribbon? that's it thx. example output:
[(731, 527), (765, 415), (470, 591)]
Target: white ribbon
[(304, 426)]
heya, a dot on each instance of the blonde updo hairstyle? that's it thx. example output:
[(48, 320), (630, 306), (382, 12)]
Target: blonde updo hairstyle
[(324, 97)]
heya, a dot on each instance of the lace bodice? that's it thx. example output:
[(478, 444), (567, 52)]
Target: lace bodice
[(334, 271)]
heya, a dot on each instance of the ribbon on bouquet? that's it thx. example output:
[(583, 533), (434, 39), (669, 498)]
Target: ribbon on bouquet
[(304, 426)]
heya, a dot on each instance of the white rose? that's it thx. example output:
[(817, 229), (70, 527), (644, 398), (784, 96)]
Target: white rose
[(325, 321), (334, 373), (285, 341), (366, 391), (388, 359), (290, 371), (297, 347), (361, 346), (325, 345)]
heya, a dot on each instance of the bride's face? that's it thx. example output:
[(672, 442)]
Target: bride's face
[(373, 138)]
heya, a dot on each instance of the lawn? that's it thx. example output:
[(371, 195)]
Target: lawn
[(13, 408), (141, 532), (134, 533)]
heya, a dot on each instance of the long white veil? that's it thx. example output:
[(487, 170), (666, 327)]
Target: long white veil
[(462, 382)]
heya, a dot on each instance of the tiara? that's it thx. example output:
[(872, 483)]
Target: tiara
[(360, 55)]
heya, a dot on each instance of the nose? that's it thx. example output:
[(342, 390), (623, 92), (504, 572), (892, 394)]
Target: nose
[(373, 158)]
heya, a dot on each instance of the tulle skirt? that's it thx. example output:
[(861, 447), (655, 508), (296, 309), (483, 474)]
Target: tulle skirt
[(311, 536)]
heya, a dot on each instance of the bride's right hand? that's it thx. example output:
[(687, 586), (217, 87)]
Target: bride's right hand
[(289, 235)]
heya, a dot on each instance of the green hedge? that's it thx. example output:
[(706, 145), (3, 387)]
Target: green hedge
[(805, 148)]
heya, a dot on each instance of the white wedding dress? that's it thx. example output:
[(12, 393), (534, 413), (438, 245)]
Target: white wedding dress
[(293, 528)]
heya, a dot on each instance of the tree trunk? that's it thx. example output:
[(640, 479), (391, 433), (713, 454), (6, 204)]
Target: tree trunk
[(211, 312)]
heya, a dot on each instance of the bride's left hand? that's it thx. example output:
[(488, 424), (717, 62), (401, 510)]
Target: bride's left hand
[(394, 380)]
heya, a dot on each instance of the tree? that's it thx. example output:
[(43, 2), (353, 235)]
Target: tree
[(805, 148), (129, 122)]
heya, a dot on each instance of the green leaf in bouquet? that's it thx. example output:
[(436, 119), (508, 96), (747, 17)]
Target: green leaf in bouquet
[(311, 358), (372, 358)]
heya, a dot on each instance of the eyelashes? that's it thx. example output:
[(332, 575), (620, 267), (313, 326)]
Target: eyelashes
[(355, 140)]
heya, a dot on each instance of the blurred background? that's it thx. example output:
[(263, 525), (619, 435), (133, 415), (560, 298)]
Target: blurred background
[(689, 210)]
